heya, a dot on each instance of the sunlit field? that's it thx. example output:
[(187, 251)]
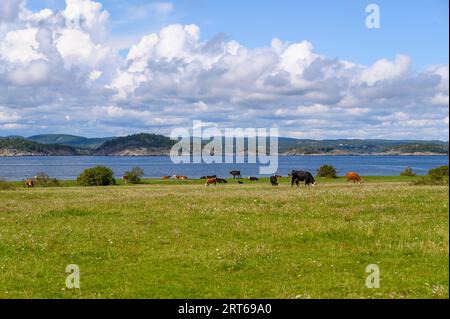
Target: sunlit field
[(184, 240)]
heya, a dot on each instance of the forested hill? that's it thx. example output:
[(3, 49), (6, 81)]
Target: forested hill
[(138, 144), (16, 146), (70, 140)]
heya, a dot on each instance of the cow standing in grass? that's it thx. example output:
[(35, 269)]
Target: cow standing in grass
[(29, 183), (353, 177), (300, 176), (211, 181), (236, 174), (274, 180)]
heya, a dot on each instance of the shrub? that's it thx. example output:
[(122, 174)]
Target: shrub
[(96, 176), (43, 180), (134, 176), (439, 172), (408, 172), (327, 171), (436, 176)]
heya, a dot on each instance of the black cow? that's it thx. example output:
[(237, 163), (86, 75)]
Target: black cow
[(273, 180), (253, 179), (239, 182), (221, 180), (300, 176), (236, 174)]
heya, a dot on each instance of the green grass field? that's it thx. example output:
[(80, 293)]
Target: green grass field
[(182, 240)]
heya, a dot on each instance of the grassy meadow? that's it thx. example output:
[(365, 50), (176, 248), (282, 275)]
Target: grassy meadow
[(179, 239)]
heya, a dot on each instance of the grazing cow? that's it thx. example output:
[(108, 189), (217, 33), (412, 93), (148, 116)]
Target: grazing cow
[(239, 182), (273, 180), (166, 177), (221, 180), (210, 181), (180, 177), (29, 182), (300, 176), (236, 174), (353, 177), (253, 179)]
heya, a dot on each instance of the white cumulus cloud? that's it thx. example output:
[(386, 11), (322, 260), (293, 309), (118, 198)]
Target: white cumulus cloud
[(57, 67)]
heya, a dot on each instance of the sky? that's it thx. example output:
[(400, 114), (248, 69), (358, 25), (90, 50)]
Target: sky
[(311, 68)]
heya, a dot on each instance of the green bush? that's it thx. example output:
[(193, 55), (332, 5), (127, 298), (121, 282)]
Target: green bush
[(436, 176), (408, 172), (327, 171), (439, 172), (96, 176), (43, 180), (134, 176)]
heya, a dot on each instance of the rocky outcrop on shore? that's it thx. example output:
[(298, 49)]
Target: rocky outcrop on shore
[(13, 152), (142, 151)]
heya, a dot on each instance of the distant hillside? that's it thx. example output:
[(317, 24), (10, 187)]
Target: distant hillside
[(70, 140), (136, 145), (153, 144), (418, 148), (342, 146), (16, 146)]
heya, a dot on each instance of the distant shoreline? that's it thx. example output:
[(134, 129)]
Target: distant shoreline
[(284, 155)]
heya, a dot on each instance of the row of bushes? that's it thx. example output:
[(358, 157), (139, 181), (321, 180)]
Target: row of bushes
[(103, 176), (95, 176)]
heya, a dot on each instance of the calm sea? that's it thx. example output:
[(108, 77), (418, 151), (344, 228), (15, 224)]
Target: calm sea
[(69, 167)]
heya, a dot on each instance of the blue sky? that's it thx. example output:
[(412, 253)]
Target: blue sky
[(311, 68), (417, 28)]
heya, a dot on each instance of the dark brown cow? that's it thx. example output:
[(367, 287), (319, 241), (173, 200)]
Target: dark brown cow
[(211, 181)]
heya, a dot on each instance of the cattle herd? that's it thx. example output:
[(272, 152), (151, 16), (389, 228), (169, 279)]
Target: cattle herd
[(296, 178)]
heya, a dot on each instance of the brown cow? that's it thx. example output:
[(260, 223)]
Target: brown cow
[(125, 178), (210, 181), (29, 182), (353, 177), (166, 177)]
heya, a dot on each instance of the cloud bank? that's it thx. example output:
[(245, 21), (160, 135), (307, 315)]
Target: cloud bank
[(58, 74)]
